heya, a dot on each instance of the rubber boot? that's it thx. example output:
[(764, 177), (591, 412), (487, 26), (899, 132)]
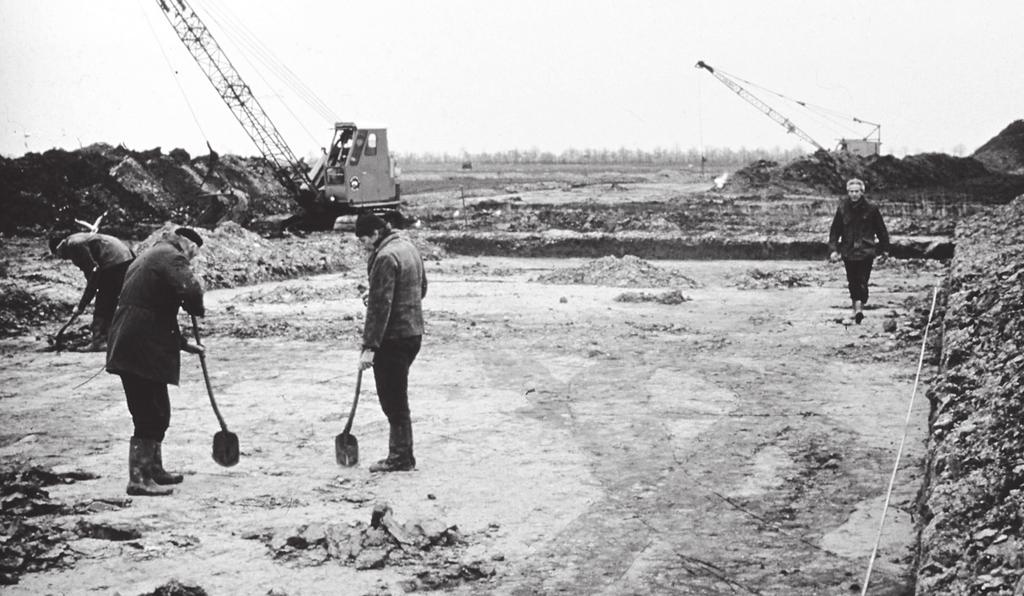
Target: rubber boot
[(98, 341), (140, 461), (159, 474), (400, 458), (858, 311)]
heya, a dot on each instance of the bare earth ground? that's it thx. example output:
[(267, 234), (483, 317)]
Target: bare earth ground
[(737, 443)]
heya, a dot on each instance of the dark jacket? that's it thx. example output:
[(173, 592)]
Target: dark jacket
[(94, 251), (855, 229), (398, 284), (144, 337)]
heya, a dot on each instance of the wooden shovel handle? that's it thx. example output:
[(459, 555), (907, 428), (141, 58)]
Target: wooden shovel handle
[(206, 375), (355, 400)]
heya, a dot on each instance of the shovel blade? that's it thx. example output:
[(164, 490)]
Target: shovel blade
[(346, 450), (225, 448)]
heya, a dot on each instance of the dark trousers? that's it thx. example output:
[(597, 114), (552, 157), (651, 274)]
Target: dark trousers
[(149, 405), (108, 287), (857, 275), (391, 364)]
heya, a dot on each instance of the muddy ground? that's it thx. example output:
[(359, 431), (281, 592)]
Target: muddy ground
[(593, 424), (571, 438)]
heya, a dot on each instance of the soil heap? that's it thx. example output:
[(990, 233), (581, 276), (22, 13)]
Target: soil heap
[(137, 190), (995, 173), (1005, 152), (973, 510)]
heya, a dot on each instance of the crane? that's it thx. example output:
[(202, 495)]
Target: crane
[(357, 175), (865, 146)]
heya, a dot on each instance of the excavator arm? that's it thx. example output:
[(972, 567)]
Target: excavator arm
[(760, 105), (192, 32)]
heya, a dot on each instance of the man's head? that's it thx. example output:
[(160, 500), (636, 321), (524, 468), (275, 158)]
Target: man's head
[(369, 228), (855, 189), (192, 241)]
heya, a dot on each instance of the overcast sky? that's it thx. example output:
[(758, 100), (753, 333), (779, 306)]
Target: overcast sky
[(488, 75)]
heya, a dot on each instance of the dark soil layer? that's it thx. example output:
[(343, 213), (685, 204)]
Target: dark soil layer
[(1005, 152), (973, 507), (662, 246), (138, 190), (992, 175)]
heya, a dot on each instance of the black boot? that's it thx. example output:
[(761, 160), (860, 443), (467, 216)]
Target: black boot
[(140, 462), (157, 471), (400, 457)]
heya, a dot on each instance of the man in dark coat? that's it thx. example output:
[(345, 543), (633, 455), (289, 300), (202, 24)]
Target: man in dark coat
[(857, 236), (393, 330), (145, 344), (103, 260)]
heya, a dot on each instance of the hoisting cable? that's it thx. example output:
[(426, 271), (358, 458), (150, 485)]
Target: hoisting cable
[(254, 50), (280, 69), (899, 452), (174, 74), (832, 117)]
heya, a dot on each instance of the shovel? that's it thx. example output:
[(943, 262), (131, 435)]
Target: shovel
[(346, 447), (225, 443), (58, 343)]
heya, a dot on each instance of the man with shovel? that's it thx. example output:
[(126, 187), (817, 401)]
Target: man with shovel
[(857, 236), (393, 329), (103, 259), (145, 345)]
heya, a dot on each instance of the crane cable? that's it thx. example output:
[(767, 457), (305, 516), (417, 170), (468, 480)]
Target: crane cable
[(899, 452), (174, 74), (833, 117), (254, 50)]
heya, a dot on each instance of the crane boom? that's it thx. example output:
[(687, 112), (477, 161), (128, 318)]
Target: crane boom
[(191, 30), (757, 103)]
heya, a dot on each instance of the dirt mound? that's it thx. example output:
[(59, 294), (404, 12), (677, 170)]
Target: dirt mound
[(233, 256), (437, 548), (34, 539), (624, 272), (759, 279), (667, 297), (22, 309), (1005, 151), (43, 192), (826, 173), (973, 510)]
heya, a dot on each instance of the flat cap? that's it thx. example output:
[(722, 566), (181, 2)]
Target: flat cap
[(368, 223), (190, 234)]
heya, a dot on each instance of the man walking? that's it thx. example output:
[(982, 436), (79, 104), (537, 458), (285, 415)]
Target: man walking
[(145, 345), (103, 260), (857, 236), (393, 329)]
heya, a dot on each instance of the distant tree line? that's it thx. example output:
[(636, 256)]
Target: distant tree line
[(714, 157)]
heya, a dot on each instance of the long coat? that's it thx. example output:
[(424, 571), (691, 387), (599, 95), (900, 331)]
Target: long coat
[(145, 339), (398, 284)]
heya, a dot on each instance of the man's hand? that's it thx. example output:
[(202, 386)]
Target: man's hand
[(366, 359), (834, 257), (193, 349), (882, 258)]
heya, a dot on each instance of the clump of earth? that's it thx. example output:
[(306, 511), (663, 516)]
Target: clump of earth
[(623, 272)]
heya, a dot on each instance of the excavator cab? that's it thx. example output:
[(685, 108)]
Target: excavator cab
[(358, 171)]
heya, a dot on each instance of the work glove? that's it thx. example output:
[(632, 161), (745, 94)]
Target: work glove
[(834, 257)]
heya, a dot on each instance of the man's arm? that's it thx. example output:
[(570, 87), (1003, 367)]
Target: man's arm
[(187, 286), (378, 305), (882, 232), (835, 232)]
